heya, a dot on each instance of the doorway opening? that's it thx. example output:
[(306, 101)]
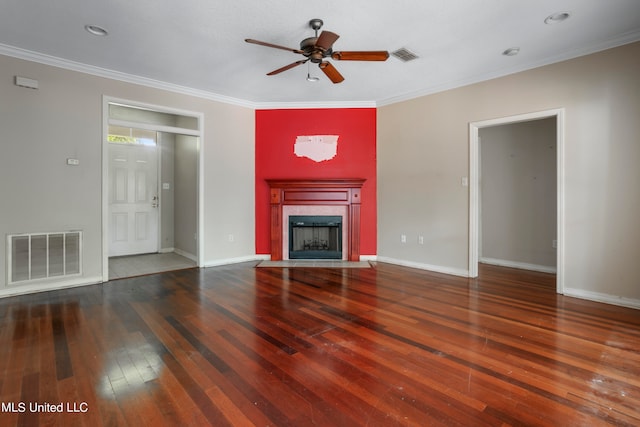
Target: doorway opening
[(151, 189), (475, 202)]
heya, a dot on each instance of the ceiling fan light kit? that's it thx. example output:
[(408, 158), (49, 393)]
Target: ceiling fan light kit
[(316, 49)]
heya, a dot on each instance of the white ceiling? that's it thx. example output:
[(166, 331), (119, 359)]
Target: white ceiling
[(199, 44)]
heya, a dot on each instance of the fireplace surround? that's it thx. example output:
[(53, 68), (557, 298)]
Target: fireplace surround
[(330, 194)]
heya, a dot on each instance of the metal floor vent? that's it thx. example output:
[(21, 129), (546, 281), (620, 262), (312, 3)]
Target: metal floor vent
[(35, 256), (404, 54)]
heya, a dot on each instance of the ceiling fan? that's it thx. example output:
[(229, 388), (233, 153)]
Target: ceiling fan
[(317, 48)]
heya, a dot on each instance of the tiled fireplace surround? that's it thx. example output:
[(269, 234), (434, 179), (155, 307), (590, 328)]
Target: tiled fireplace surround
[(340, 197)]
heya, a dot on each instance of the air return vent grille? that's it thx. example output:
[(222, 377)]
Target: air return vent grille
[(43, 255), (404, 54)]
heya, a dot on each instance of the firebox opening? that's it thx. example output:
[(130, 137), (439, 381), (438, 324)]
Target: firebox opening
[(315, 237)]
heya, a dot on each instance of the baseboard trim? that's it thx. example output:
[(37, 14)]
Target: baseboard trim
[(16, 290), (517, 264), (421, 266), (185, 254), (604, 298)]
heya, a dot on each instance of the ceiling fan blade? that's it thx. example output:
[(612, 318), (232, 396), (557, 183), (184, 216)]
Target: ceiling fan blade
[(331, 72), (371, 55), (273, 45), (326, 40), (287, 67)]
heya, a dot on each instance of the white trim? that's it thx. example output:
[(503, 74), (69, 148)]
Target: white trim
[(474, 189), (369, 258), (53, 61), (630, 37), (604, 298), (519, 265), (154, 127), (236, 260), (474, 199), (314, 104), (159, 198), (43, 287), (421, 266), (200, 200), (186, 254), (16, 52), (66, 64)]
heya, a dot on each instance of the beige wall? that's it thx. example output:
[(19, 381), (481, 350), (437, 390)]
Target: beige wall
[(40, 129), (518, 194), (423, 153), (186, 195)]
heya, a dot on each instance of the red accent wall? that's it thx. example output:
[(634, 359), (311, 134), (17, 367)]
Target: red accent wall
[(276, 132)]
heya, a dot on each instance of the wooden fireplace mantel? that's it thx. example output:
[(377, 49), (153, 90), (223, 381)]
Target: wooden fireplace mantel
[(320, 192)]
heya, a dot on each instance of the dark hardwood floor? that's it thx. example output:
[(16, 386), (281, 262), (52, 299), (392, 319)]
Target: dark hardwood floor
[(383, 346)]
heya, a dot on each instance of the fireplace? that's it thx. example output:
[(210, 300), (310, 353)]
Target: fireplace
[(315, 237), (319, 197)]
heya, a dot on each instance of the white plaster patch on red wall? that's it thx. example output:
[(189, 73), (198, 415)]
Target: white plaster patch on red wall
[(318, 148)]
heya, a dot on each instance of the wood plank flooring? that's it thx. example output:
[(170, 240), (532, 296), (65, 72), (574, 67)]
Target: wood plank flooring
[(383, 346)]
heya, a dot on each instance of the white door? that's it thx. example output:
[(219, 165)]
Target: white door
[(133, 199)]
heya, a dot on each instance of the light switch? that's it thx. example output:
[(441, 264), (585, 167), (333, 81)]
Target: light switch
[(166, 186)]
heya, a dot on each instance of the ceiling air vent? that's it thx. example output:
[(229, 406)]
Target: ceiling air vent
[(404, 54)]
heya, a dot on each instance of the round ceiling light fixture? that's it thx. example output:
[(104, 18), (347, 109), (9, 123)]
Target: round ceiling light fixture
[(512, 51), (96, 30), (557, 18)]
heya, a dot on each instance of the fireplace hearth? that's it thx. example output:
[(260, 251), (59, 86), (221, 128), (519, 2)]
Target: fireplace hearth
[(315, 237)]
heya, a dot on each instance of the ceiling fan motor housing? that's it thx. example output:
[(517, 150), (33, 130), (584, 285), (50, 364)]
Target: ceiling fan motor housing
[(313, 52)]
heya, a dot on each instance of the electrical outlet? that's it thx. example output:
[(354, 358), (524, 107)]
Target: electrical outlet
[(231, 238), (403, 238), (421, 240)]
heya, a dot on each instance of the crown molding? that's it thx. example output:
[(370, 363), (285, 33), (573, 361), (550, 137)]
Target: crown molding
[(53, 61), (15, 52), (630, 37), (314, 104)]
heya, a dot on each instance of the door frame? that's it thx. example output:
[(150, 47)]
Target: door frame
[(199, 133), (474, 185)]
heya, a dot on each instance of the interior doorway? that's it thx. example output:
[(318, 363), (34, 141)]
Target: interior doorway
[(152, 193), (474, 182)]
